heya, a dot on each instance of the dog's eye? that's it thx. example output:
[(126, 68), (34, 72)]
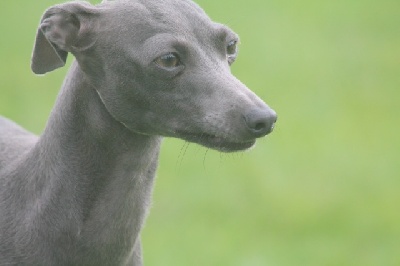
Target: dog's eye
[(231, 51), (169, 60)]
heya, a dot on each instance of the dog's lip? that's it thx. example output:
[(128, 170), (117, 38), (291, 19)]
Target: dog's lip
[(216, 142)]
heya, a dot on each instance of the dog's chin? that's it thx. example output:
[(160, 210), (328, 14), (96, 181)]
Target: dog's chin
[(217, 143)]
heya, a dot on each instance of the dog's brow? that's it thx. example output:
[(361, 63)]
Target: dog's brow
[(223, 33)]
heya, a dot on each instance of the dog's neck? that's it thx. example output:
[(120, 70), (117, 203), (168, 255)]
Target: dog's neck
[(100, 172)]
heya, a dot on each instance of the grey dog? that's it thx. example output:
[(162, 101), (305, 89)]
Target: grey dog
[(144, 69)]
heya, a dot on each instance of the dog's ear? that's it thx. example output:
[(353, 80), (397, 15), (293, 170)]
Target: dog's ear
[(63, 28)]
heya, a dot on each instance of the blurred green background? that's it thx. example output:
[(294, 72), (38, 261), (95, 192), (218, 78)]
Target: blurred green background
[(323, 189)]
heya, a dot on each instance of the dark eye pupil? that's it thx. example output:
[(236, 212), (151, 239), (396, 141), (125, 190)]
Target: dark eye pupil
[(169, 60)]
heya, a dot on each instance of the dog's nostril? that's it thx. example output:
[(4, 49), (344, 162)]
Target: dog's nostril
[(260, 126)]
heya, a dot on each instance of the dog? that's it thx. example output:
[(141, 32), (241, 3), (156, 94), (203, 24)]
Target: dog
[(144, 69)]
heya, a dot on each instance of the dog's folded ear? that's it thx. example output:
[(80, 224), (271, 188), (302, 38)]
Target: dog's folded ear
[(63, 28)]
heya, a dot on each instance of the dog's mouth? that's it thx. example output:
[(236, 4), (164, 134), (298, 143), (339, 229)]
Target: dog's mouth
[(216, 143)]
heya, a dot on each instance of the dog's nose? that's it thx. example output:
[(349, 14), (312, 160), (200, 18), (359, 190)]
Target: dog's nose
[(260, 122)]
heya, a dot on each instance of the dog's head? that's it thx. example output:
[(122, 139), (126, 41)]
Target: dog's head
[(159, 67)]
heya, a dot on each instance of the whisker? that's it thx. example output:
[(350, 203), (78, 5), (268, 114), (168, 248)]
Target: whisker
[(204, 159), (181, 155)]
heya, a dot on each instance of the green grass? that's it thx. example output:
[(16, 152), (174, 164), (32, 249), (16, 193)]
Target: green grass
[(323, 189)]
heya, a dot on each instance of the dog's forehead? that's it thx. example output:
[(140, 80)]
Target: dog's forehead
[(154, 16), (157, 5)]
